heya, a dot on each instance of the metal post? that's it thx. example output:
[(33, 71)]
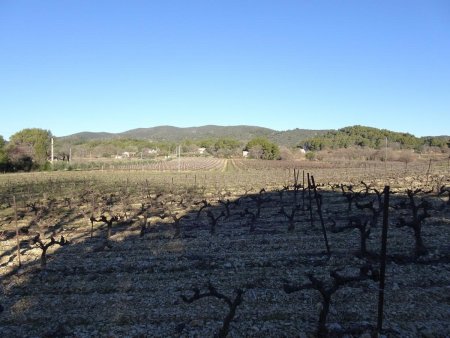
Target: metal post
[(383, 258), (319, 210)]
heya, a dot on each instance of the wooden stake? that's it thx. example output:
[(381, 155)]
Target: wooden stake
[(303, 192), (17, 230), (92, 215), (310, 202), (428, 171)]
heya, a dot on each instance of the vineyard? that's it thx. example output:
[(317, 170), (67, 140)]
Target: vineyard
[(206, 247)]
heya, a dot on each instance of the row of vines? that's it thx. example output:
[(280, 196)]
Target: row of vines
[(239, 252)]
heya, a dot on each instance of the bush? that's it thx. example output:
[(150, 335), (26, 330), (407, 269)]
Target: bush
[(310, 155), (262, 148)]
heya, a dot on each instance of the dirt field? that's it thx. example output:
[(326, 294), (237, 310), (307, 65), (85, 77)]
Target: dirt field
[(225, 242)]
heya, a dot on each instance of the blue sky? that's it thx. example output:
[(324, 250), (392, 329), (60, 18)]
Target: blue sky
[(72, 66)]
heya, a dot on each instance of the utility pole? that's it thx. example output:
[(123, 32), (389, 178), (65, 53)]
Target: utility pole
[(70, 155), (52, 152), (179, 158), (385, 157)]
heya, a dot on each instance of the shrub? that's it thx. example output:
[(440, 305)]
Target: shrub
[(310, 155)]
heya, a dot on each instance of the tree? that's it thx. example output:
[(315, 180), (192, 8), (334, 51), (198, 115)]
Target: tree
[(406, 157), (226, 147), (286, 153), (33, 143), (4, 160), (221, 147), (262, 148)]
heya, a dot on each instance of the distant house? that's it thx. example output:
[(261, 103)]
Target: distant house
[(302, 151), (128, 154), (244, 153), (201, 150)]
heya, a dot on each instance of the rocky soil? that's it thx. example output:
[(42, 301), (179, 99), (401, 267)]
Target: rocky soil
[(132, 286)]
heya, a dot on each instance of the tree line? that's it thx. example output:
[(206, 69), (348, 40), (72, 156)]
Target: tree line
[(372, 138), (223, 147), (30, 149)]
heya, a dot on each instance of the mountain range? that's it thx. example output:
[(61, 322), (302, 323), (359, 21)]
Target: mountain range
[(177, 134), (316, 139)]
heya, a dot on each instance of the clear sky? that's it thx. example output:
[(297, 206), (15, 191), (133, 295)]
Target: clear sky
[(72, 66)]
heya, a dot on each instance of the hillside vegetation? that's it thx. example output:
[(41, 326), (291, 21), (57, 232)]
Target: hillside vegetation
[(230, 141), (241, 134), (29, 149), (372, 138)]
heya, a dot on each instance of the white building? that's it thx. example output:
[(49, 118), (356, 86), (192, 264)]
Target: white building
[(128, 154)]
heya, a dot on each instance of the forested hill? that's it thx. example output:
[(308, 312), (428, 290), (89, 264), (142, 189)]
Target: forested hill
[(174, 134), (311, 139), (372, 138)]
